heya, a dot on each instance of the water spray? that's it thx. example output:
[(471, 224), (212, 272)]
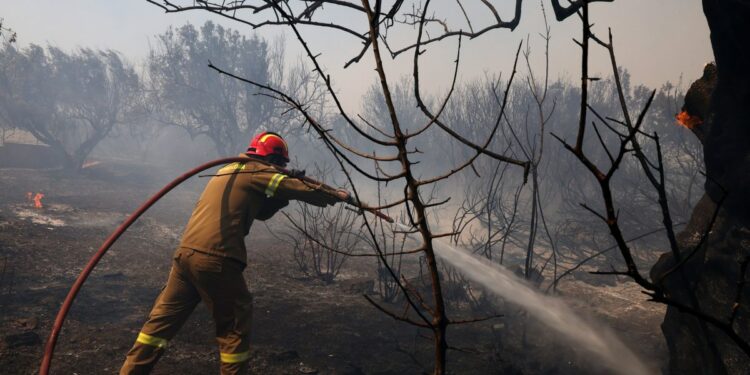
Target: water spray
[(548, 310), (49, 349)]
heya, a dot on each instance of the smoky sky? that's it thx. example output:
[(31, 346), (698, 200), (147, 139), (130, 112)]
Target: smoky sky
[(657, 41)]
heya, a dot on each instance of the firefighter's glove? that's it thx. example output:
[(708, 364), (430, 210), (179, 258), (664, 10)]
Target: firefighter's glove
[(297, 173)]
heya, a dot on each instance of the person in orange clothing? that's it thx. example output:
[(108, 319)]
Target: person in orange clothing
[(208, 264)]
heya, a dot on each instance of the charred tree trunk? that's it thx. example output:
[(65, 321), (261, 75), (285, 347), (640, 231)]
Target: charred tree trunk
[(726, 148), (714, 276)]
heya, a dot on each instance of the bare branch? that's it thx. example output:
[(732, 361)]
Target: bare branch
[(562, 13), (476, 320), (394, 315)]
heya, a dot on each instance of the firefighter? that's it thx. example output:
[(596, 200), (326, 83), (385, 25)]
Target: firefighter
[(208, 264)]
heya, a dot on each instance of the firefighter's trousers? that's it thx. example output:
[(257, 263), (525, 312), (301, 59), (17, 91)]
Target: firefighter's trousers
[(195, 277)]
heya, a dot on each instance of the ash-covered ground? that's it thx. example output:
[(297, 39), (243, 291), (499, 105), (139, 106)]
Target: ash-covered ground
[(300, 325)]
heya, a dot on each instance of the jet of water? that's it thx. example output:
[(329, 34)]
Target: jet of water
[(548, 310)]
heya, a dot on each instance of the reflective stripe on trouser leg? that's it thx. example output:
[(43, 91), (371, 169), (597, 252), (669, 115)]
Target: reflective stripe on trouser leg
[(234, 363), (152, 340), (143, 356), (235, 357)]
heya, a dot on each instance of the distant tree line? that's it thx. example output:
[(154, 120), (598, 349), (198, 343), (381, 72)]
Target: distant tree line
[(497, 207), (69, 101), (72, 100)]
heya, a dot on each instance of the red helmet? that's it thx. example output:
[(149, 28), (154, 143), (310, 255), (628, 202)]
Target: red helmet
[(268, 143)]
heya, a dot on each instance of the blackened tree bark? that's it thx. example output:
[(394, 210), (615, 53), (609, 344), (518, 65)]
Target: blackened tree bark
[(714, 275), (726, 149)]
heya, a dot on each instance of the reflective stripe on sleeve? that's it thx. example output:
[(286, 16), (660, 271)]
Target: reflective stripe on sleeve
[(151, 340), (235, 357), (274, 184)]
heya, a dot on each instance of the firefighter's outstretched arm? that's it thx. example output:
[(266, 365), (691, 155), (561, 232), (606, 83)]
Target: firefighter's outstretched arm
[(280, 185), (339, 195)]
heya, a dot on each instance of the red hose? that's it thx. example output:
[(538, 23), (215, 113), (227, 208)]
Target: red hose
[(60, 319)]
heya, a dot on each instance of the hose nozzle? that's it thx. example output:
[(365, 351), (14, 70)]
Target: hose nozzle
[(352, 200)]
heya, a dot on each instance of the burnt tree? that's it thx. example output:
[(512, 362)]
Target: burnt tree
[(716, 268), (702, 278)]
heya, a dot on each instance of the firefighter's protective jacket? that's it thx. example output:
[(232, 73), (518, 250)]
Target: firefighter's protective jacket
[(236, 196)]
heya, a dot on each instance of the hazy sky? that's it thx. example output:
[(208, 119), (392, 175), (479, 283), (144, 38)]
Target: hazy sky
[(656, 40)]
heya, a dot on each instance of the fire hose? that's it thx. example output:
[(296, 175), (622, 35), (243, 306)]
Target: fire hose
[(65, 308)]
